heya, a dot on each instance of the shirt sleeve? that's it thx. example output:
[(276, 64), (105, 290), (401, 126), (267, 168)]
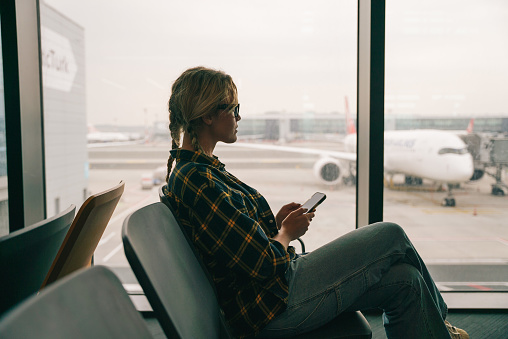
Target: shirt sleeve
[(224, 231)]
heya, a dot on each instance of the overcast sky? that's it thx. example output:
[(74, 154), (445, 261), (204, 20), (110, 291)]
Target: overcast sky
[(442, 57)]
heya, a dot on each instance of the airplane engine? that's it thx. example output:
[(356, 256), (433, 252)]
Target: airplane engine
[(328, 170), (477, 174)]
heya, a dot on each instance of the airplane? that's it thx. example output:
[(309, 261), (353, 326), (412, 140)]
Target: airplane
[(470, 126), (96, 138), (436, 155)]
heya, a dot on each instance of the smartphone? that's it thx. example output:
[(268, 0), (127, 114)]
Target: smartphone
[(314, 201)]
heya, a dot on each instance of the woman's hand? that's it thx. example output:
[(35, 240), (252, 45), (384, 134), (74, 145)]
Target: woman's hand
[(294, 226), (284, 212)]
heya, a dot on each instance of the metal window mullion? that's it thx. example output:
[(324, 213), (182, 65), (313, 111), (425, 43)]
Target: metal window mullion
[(23, 107), (370, 133)]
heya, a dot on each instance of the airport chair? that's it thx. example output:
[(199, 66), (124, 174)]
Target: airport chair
[(88, 304), (86, 230), (26, 256), (179, 290), (165, 200)]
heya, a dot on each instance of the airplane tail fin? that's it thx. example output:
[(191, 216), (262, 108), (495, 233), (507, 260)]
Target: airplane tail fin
[(470, 126), (92, 129), (350, 125)]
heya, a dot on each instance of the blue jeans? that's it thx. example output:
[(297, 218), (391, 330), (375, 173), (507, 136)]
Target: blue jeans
[(375, 266)]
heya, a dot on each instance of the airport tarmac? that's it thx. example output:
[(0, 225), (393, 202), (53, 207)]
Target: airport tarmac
[(473, 234)]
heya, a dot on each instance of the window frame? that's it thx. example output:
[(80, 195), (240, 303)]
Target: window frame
[(23, 112), (370, 89)]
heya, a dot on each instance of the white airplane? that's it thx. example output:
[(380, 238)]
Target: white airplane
[(435, 155), (94, 135), (96, 138)]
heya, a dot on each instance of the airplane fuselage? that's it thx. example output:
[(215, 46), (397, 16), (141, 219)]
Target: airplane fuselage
[(431, 154)]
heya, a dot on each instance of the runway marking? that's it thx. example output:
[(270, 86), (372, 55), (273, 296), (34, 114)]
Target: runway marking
[(480, 287), (455, 210), (497, 239), (443, 288), (502, 241), (479, 283), (122, 216), (466, 261), (112, 253), (133, 288), (104, 240)]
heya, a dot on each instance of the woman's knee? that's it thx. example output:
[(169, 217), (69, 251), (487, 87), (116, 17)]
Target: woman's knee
[(391, 230)]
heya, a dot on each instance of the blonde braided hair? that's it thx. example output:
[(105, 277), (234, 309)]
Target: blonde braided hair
[(197, 92)]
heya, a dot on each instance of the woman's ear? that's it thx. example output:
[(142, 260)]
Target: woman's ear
[(207, 119)]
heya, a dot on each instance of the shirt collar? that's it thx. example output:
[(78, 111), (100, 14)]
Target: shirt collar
[(197, 157)]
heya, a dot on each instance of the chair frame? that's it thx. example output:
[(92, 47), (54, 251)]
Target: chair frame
[(84, 234), (146, 281), (90, 303), (347, 325), (31, 250)]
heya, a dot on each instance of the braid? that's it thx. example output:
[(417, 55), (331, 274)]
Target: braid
[(170, 164), (170, 160), (175, 127), (194, 139)]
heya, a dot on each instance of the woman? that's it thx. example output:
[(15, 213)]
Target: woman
[(264, 288)]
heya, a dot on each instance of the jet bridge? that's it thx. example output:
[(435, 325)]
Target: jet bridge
[(490, 154)]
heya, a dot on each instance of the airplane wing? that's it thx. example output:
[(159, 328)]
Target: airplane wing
[(324, 153), (113, 143)]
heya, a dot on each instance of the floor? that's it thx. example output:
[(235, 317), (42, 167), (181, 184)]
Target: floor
[(480, 324)]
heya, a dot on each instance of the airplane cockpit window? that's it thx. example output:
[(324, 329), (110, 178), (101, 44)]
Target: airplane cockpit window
[(447, 150)]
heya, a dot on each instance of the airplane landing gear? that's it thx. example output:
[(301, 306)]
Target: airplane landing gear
[(413, 181), (349, 180), (449, 201), (496, 190), (499, 187)]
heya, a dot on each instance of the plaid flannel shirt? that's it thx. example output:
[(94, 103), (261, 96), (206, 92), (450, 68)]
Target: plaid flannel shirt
[(231, 225)]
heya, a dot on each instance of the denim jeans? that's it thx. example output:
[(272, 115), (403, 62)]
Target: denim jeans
[(375, 266)]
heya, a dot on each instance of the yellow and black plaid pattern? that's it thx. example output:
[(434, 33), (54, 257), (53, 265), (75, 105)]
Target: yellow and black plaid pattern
[(231, 225)]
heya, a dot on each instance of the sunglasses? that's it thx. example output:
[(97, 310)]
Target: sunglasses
[(236, 109)]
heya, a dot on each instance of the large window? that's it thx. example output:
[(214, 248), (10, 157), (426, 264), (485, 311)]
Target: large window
[(294, 63), (446, 70), (108, 69)]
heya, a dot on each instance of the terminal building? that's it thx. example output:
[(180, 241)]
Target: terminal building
[(291, 127)]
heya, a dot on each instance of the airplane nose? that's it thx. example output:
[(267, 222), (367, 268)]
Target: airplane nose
[(460, 169), (465, 168)]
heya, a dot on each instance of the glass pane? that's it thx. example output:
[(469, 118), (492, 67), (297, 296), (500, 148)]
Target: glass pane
[(294, 63), (64, 98), (446, 180), (4, 199)]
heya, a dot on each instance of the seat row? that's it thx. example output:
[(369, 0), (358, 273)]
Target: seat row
[(92, 302), (38, 255)]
